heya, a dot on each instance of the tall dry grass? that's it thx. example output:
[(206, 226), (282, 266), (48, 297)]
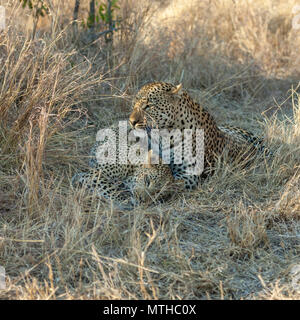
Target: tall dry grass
[(235, 237)]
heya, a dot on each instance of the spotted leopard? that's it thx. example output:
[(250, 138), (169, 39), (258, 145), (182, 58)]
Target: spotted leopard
[(166, 106), (126, 184)]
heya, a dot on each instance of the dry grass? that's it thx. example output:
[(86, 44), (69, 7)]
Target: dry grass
[(237, 237)]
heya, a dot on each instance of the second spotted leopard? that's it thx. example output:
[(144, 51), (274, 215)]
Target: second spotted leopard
[(126, 184)]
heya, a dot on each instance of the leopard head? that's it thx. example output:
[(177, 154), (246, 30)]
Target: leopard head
[(153, 181), (155, 105)]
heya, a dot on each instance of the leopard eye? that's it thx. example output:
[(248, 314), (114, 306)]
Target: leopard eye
[(147, 106)]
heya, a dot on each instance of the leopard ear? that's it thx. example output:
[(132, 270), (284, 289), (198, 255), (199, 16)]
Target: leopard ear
[(177, 89)]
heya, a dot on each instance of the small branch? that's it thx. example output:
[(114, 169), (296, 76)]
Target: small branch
[(75, 16), (96, 36), (110, 22), (76, 9), (92, 15)]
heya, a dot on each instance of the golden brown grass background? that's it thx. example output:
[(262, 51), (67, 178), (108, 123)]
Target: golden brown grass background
[(236, 237)]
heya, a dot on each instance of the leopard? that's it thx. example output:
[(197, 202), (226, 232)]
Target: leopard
[(154, 183), (126, 184), (163, 105)]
